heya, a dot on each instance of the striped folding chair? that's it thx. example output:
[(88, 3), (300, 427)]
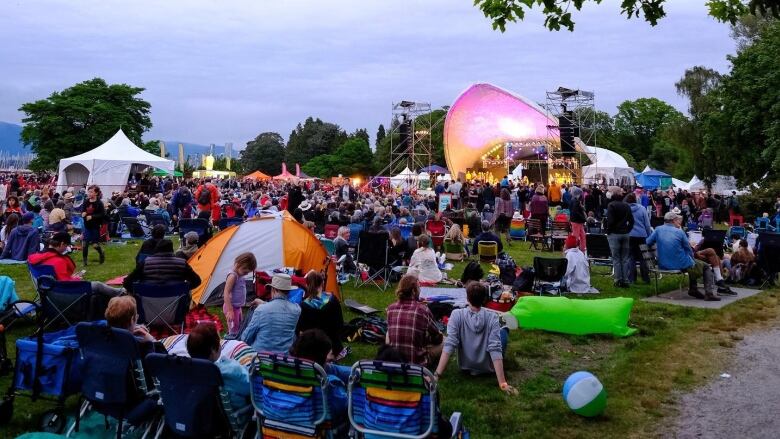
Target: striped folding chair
[(289, 397)]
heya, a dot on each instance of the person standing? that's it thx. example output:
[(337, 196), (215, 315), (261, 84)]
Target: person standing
[(456, 187), (554, 192), (94, 214), (577, 216), (207, 197), (539, 208), (620, 221), (503, 215), (637, 237)]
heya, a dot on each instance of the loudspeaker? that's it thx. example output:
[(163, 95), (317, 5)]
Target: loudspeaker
[(568, 131), (403, 132)]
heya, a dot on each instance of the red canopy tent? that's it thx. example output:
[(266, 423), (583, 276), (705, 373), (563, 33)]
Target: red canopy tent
[(285, 175)]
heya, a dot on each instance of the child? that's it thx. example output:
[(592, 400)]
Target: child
[(235, 290)]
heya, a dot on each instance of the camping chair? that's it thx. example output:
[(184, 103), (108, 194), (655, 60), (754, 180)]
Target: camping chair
[(597, 248), (437, 229), (394, 400), (206, 411), (714, 239), (487, 251), (649, 255), (136, 228), (289, 396), (736, 220), (331, 231), (329, 245), (65, 303), (38, 270), (372, 251), (354, 234), (768, 245), (762, 224), (114, 383), (453, 251), (517, 228), (197, 225), (152, 219), (560, 231), (738, 231), (692, 226), (549, 273), (535, 235), (224, 223), (406, 230), (163, 305)]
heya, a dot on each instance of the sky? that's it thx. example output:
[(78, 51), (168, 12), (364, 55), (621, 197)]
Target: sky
[(225, 71)]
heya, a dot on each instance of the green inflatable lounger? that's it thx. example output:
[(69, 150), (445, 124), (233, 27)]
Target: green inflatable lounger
[(573, 316)]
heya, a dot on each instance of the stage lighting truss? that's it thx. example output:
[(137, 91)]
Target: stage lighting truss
[(578, 109)]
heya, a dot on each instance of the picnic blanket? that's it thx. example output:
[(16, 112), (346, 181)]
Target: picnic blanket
[(454, 296)]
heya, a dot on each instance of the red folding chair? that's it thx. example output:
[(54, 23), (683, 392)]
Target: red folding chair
[(736, 220), (331, 231), (437, 229)]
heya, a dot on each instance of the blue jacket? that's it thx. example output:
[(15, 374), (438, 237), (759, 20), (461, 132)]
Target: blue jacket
[(236, 382), (272, 328), (23, 241), (674, 250), (642, 227)]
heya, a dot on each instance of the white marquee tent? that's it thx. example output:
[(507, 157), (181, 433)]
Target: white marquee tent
[(109, 165), (607, 166), (406, 179)]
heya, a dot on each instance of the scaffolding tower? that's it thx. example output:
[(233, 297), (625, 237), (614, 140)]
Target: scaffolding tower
[(410, 137), (576, 115)]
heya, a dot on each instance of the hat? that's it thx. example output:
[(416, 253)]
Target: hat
[(282, 282), (571, 242), (61, 238), (677, 210), (68, 195), (539, 190), (305, 205), (27, 218), (671, 216), (518, 216)]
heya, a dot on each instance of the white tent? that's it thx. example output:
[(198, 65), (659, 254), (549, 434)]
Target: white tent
[(406, 179), (679, 184), (606, 166), (109, 165), (696, 185), (725, 185)]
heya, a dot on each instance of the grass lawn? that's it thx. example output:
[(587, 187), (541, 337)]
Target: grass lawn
[(675, 349)]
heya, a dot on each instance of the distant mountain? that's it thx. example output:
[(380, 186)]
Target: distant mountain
[(11, 144), (9, 139)]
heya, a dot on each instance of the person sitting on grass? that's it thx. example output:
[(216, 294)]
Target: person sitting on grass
[(189, 245), (455, 235), (675, 253), (322, 311), (486, 235), (424, 264), (411, 327), (23, 241), (478, 337), (577, 277), (203, 343), (272, 326)]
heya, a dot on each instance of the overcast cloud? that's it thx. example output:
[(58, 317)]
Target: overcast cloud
[(221, 71)]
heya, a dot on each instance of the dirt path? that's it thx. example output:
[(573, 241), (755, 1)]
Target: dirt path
[(746, 405)]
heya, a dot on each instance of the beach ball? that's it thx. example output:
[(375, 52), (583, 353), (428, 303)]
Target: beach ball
[(584, 394)]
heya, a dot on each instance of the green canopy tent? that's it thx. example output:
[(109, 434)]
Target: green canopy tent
[(162, 173)]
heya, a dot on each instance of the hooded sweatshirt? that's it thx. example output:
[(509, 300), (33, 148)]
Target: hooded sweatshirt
[(641, 227), (475, 335), (23, 241)]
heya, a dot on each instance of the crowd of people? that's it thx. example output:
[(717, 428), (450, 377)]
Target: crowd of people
[(39, 225)]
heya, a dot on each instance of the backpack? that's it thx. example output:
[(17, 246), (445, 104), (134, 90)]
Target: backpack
[(525, 281), (507, 269), (371, 329), (204, 198), (473, 271)]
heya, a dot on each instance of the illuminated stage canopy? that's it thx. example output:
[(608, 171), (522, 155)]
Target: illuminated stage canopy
[(484, 116)]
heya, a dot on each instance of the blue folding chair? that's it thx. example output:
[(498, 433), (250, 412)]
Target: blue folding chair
[(197, 225), (113, 378), (289, 397), (739, 231), (66, 303), (38, 270), (224, 223), (163, 305), (354, 234), (206, 412), (152, 219)]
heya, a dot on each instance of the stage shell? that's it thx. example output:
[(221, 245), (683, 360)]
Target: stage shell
[(485, 115)]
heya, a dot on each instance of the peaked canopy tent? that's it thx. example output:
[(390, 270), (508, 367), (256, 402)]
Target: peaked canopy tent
[(276, 239), (607, 166), (679, 184), (652, 179), (406, 179), (434, 169), (285, 175), (109, 165), (696, 185), (257, 175)]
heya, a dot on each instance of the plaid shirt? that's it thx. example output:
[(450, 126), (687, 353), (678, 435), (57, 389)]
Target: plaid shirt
[(411, 328)]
